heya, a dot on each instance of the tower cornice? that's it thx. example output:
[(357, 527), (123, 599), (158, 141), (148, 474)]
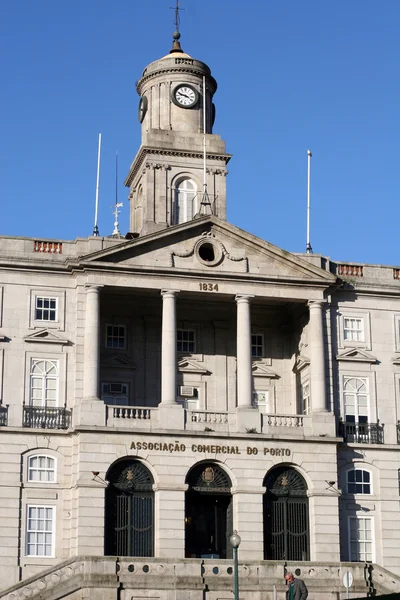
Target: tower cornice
[(172, 70), (145, 151)]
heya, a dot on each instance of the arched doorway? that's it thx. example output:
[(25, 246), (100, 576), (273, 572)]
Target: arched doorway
[(286, 529), (208, 512), (129, 515)]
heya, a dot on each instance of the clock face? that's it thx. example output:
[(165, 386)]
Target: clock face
[(185, 95), (142, 108)]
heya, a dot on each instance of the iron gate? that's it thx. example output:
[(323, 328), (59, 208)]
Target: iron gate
[(130, 511), (208, 512), (286, 530)]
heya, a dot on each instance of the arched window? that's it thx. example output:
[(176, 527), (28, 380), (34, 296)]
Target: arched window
[(129, 527), (358, 481), (41, 469), (208, 512), (286, 528), (185, 201), (356, 399), (44, 383)]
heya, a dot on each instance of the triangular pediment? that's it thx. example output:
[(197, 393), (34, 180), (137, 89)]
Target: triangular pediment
[(117, 362), (356, 355), (260, 369), (209, 246), (46, 336), (190, 366), (301, 362)]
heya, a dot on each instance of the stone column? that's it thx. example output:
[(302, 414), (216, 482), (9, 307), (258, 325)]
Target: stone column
[(91, 410), (247, 416), (170, 412), (317, 356), (91, 363), (168, 348), (243, 352)]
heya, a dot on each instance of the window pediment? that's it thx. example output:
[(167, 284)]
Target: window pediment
[(260, 369), (46, 336), (356, 355), (188, 366), (301, 363), (121, 362)]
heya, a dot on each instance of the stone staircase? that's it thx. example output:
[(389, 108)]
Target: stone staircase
[(110, 578)]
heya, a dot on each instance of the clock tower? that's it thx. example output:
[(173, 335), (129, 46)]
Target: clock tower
[(179, 172)]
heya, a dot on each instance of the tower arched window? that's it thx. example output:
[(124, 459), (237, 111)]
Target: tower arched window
[(185, 201)]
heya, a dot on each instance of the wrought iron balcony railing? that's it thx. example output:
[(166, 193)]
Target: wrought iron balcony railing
[(42, 417), (361, 433), (3, 415)]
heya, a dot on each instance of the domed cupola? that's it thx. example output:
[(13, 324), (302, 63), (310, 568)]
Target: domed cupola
[(172, 83)]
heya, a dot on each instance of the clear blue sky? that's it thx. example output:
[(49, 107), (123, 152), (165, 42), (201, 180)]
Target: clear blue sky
[(292, 75)]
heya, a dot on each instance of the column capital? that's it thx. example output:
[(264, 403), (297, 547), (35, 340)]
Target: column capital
[(243, 298), (317, 304), (93, 287), (169, 293)]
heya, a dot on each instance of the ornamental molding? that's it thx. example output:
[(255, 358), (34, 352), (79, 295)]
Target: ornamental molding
[(209, 235), (146, 151)]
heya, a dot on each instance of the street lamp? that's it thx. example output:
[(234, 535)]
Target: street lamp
[(235, 540)]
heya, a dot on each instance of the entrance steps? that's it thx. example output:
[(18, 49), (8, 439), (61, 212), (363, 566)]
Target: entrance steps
[(110, 578)]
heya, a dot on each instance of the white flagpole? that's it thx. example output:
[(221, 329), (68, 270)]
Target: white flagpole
[(96, 228), (309, 155), (204, 137)]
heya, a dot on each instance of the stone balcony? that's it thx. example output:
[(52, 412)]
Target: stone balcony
[(148, 419)]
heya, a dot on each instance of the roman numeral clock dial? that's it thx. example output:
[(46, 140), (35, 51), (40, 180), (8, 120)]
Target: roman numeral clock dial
[(185, 96)]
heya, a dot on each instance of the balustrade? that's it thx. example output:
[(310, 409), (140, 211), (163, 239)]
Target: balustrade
[(362, 433), (44, 417)]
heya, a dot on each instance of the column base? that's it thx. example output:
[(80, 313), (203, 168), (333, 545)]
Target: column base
[(323, 424), (172, 415), (248, 418), (90, 412)]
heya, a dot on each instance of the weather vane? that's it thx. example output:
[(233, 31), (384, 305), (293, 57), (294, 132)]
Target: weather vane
[(177, 8)]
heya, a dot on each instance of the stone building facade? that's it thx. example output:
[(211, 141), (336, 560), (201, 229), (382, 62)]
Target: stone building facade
[(161, 390)]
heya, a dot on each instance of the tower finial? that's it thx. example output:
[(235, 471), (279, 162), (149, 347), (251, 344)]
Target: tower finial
[(176, 47)]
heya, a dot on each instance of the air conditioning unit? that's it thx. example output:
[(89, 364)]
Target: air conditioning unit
[(117, 388), (187, 391)]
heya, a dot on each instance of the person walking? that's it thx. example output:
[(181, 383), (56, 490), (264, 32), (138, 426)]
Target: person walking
[(297, 589)]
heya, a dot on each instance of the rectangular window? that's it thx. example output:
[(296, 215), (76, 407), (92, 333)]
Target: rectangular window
[(116, 336), (353, 329), (361, 543), (115, 393), (358, 482), (185, 340), (40, 531), (305, 397), (260, 401), (257, 345), (45, 309)]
